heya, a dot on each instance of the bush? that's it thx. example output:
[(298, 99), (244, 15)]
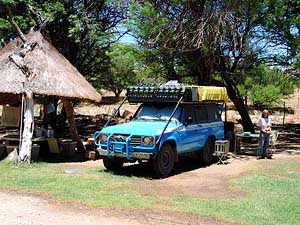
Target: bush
[(266, 86)]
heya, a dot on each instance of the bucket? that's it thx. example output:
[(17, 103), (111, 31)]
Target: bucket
[(68, 147), (35, 151)]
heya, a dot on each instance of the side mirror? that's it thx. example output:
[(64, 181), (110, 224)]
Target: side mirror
[(188, 120)]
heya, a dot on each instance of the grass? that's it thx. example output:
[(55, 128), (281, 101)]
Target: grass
[(273, 199)]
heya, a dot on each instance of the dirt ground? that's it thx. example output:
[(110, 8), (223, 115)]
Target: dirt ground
[(27, 209), (188, 179)]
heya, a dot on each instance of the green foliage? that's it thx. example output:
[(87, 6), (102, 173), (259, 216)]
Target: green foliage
[(296, 63), (148, 68), (282, 21), (19, 15), (150, 26), (174, 42), (269, 95), (122, 69), (83, 31), (266, 86)]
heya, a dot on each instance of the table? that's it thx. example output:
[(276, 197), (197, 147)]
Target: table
[(11, 141), (16, 138), (11, 137), (239, 136)]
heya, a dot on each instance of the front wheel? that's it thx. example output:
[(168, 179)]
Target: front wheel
[(113, 163), (164, 161), (207, 152)]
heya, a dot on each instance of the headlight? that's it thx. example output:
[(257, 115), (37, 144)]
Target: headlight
[(147, 140), (101, 138)]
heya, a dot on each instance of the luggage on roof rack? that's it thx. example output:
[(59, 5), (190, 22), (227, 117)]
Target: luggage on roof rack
[(170, 93)]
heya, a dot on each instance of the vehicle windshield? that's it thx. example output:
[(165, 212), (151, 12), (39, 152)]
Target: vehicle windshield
[(157, 113)]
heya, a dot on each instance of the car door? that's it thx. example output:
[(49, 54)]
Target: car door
[(203, 124), (215, 121), (188, 131)]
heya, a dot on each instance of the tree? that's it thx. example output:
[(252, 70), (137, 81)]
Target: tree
[(82, 31), (203, 38), (264, 86), (283, 24), (122, 69), (208, 38)]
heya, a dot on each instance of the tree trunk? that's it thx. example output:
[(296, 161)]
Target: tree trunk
[(202, 67), (239, 105), (26, 141), (203, 70), (72, 124)]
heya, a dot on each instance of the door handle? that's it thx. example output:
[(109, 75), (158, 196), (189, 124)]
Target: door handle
[(202, 130)]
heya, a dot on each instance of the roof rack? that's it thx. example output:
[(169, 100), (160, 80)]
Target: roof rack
[(171, 92)]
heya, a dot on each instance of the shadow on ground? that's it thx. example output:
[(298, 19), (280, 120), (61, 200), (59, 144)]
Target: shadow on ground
[(145, 170), (288, 142)]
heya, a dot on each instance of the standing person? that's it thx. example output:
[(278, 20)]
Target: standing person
[(264, 125)]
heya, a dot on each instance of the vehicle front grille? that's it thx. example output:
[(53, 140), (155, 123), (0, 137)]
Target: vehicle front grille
[(135, 140), (118, 138)]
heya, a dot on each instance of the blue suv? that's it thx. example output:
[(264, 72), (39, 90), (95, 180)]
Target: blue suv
[(164, 127)]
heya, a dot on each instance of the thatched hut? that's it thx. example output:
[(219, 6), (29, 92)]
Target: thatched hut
[(50, 72), (37, 68)]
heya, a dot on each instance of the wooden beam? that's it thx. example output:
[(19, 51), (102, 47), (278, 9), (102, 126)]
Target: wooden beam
[(72, 124)]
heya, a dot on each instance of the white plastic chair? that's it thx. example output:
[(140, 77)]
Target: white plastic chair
[(273, 140), (221, 151)]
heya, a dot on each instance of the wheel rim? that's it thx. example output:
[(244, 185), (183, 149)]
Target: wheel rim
[(166, 161), (210, 149), (207, 153)]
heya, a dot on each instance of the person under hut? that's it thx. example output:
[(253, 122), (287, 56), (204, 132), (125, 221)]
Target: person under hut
[(49, 111)]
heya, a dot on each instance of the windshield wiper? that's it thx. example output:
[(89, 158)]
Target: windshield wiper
[(147, 118), (166, 118)]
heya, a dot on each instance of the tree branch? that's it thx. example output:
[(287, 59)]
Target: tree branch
[(9, 17), (37, 18)]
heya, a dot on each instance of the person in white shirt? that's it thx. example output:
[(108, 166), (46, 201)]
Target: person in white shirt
[(264, 125)]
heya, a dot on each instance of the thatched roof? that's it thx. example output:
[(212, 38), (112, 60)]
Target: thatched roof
[(50, 72)]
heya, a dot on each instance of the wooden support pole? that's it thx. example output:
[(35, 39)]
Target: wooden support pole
[(283, 113), (27, 133), (72, 124)]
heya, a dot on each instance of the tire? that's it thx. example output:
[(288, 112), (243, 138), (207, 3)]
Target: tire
[(113, 163), (164, 162), (207, 152)]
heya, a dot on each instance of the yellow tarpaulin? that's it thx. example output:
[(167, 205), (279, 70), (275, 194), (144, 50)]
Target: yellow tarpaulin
[(213, 93)]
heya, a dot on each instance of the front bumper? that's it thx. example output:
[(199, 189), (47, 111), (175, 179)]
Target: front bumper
[(134, 155)]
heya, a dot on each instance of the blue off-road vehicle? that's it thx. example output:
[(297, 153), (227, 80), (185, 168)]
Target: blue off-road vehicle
[(172, 120)]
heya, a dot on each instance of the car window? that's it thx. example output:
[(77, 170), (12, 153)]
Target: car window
[(201, 113), (213, 112), (207, 113), (188, 111), (157, 113)]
